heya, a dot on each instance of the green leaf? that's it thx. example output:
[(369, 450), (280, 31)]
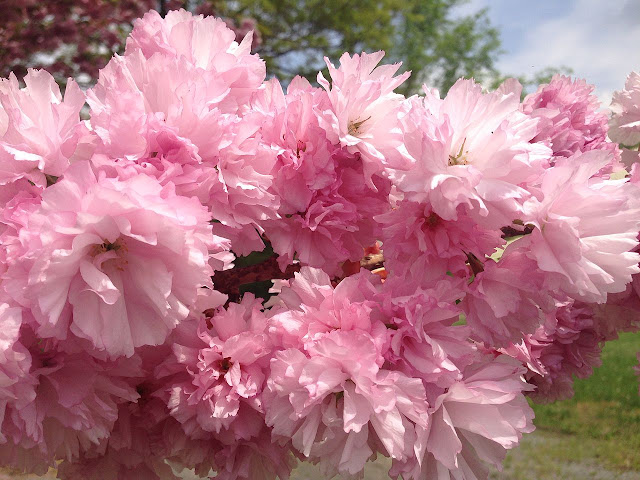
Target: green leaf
[(259, 289), (254, 257)]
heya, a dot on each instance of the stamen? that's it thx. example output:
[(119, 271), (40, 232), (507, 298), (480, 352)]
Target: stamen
[(432, 220), (354, 127), (460, 158), (226, 364), (106, 246)]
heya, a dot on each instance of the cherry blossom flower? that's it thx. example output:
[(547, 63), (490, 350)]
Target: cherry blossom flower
[(117, 263), (471, 149), (624, 126), (570, 117), (473, 424), (362, 111), (40, 130), (206, 43), (586, 229)]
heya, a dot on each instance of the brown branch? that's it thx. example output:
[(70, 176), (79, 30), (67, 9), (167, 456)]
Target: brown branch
[(229, 281), (474, 262), (513, 232)]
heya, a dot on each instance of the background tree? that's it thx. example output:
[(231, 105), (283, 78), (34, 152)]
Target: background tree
[(70, 38), (77, 37), (426, 35)]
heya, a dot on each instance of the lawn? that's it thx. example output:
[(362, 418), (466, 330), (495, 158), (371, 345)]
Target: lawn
[(602, 422)]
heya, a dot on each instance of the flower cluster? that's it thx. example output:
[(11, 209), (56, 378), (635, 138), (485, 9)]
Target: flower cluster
[(217, 274)]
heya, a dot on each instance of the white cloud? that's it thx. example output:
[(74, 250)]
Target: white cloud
[(469, 7), (598, 39)]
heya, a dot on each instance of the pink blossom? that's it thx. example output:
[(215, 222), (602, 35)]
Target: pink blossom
[(40, 131), (335, 397), (18, 201), (310, 306), (137, 100), (624, 126), (206, 43), (362, 111), (146, 441), (225, 372), (256, 459), (160, 117), (474, 423), (567, 345), (335, 226), (570, 117), (504, 300), (586, 229), (17, 385), (141, 439), (470, 149), (426, 343), (151, 117), (212, 384), (240, 196), (74, 405), (330, 383), (325, 205), (620, 313), (412, 230), (306, 160), (117, 263)]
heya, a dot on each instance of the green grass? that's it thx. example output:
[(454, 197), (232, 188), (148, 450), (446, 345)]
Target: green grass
[(602, 421)]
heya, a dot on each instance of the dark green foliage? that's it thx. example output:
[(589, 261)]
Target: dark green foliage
[(259, 289), (254, 257), (431, 40), (426, 35)]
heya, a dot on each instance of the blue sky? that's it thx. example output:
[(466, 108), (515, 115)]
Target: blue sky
[(598, 39)]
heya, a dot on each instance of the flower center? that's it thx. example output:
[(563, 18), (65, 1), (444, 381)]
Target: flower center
[(226, 364), (107, 246), (119, 247), (432, 220), (354, 127), (461, 157)]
